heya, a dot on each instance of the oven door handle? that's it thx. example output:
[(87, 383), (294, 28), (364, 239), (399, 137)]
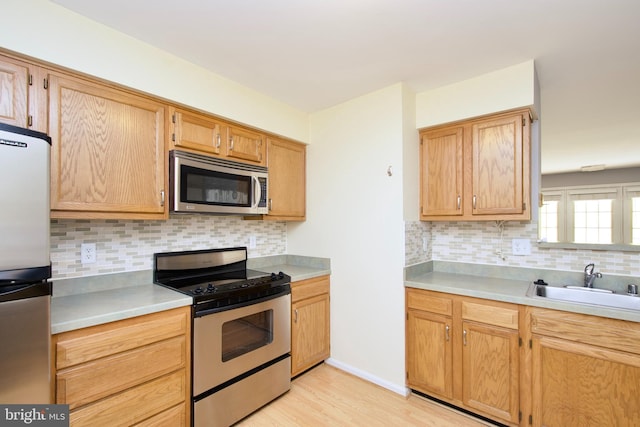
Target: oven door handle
[(257, 191)]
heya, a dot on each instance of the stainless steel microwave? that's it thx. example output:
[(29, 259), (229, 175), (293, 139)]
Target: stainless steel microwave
[(205, 184)]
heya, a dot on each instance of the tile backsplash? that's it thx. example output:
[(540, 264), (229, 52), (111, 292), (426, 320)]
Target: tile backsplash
[(129, 245), (481, 243)]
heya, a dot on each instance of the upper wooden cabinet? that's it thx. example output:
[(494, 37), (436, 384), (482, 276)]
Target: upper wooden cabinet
[(441, 172), (209, 135), (287, 180), (477, 169), (197, 131), (245, 145), (108, 154), (22, 95)]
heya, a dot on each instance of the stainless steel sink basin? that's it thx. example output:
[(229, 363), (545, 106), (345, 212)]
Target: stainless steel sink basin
[(581, 295)]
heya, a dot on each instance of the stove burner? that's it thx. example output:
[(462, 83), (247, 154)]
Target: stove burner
[(217, 279)]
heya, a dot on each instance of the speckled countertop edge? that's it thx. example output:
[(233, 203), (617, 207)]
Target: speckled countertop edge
[(89, 301), (502, 289)]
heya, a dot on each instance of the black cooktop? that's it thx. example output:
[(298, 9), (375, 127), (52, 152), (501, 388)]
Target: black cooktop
[(217, 279)]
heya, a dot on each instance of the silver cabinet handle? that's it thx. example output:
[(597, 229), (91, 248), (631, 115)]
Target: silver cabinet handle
[(270, 204), (231, 143), (161, 197), (459, 202), (464, 337), (446, 330), (474, 201), (295, 316), (218, 141)]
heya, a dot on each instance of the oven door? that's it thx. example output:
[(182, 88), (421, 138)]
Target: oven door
[(232, 342)]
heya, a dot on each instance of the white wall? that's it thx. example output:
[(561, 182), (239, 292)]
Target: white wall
[(46, 31), (505, 89), (355, 217)]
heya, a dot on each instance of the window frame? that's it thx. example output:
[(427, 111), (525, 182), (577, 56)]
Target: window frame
[(621, 194)]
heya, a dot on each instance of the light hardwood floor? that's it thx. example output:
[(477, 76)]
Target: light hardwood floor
[(326, 396)]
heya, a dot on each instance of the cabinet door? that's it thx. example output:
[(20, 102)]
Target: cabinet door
[(14, 89), (108, 151), (429, 355), (245, 145), (490, 370), (310, 343), (497, 163), (578, 384), (197, 132), (441, 172), (287, 173)]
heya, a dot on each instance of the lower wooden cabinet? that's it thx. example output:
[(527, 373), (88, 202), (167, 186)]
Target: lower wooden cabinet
[(464, 351), (522, 365), (585, 370), (310, 333), (129, 372)]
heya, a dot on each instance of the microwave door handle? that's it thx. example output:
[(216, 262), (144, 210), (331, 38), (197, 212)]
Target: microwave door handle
[(257, 191)]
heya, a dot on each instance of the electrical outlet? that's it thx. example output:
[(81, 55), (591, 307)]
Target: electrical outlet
[(521, 246), (252, 242), (88, 253)]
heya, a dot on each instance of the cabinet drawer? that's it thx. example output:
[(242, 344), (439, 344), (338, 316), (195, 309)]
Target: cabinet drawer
[(92, 343), (491, 314), (600, 331), (134, 405), (94, 380), (173, 417), (428, 301), (309, 288)]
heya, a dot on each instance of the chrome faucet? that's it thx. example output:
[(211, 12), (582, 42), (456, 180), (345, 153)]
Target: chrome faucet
[(590, 276)]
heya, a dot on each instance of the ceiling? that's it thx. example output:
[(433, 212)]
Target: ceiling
[(316, 54)]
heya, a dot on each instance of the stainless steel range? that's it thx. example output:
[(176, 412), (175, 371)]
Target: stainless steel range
[(241, 345)]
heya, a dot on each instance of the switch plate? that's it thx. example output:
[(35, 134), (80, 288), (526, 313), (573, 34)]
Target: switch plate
[(521, 246), (88, 253), (252, 242)]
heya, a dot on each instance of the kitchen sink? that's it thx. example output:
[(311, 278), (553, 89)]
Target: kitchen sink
[(583, 295)]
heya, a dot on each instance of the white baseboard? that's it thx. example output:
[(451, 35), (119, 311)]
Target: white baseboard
[(402, 390)]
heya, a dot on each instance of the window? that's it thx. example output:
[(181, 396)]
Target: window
[(591, 215), (635, 221), (632, 213), (592, 221), (549, 228)]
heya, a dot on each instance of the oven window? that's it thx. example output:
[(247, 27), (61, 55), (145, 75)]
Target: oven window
[(240, 336), (214, 188)]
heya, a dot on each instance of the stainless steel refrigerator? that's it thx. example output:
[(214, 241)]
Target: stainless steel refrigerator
[(25, 267)]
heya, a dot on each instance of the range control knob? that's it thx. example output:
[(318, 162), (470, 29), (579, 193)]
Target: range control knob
[(278, 276), (198, 290)]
